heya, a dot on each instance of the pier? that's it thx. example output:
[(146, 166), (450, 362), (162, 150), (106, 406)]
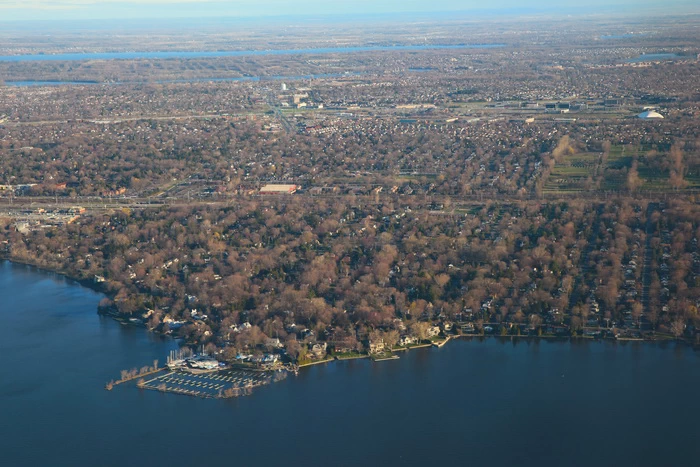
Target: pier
[(130, 375), (443, 342), (384, 359)]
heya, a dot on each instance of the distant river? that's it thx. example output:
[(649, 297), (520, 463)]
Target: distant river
[(229, 53), (492, 402), (192, 80)]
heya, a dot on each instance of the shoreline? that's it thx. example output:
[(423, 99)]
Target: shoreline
[(83, 282), (118, 318), (569, 339)]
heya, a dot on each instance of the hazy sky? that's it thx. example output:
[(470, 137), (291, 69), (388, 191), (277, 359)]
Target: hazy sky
[(11, 10)]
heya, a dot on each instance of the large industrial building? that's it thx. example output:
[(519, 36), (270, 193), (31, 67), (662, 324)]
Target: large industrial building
[(278, 189)]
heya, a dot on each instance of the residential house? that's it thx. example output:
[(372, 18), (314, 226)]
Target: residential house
[(318, 350), (408, 340), (376, 346), (273, 342)]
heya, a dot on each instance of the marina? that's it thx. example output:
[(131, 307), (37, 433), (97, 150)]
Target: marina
[(221, 384)]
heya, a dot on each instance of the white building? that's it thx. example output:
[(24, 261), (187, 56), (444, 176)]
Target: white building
[(650, 115)]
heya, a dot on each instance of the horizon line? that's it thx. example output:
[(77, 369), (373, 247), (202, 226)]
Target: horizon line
[(568, 11)]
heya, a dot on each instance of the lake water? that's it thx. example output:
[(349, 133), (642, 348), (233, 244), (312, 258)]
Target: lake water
[(495, 402), (653, 58), (229, 53), (627, 35)]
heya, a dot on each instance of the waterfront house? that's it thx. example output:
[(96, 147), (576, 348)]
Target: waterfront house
[(376, 346), (270, 358), (433, 331), (318, 350), (408, 340), (342, 349)]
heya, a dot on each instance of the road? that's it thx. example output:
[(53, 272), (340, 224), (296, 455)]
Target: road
[(646, 264), (112, 121), (286, 124), (162, 198)]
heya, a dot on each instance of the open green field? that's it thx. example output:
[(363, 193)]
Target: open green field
[(587, 171), (576, 173)]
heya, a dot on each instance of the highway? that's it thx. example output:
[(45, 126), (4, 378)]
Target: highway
[(12, 207)]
